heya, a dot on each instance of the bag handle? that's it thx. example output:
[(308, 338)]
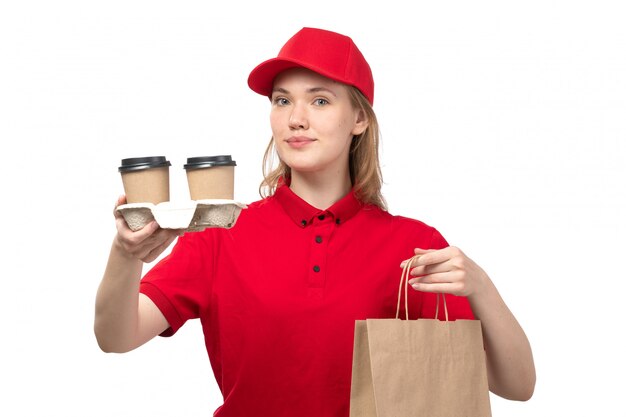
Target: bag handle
[(405, 279)]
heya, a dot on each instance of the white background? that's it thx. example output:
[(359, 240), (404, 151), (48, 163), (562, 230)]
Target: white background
[(503, 126)]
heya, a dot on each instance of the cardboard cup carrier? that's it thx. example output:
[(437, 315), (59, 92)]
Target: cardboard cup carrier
[(211, 186)]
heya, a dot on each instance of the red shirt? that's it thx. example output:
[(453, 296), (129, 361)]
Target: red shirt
[(278, 295)]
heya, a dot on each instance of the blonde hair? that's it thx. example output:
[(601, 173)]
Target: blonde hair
[(365, 173)]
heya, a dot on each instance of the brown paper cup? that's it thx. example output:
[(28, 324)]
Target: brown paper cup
[(146, 180), (211, 177)]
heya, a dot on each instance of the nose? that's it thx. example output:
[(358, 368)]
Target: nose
[(298, 117)]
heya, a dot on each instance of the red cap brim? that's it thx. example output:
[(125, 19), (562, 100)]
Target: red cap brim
[(261, 78)]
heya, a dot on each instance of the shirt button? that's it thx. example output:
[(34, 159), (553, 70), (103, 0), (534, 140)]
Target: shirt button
[(321, 217), (316, 268), (318, 239), (303, 223), (338, 221)]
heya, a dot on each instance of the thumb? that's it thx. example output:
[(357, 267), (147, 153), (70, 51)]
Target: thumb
[(121, 200)]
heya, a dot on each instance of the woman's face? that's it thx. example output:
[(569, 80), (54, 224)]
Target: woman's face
[(313, 122)]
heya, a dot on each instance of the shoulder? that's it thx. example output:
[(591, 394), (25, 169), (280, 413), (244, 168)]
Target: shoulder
[(421, 233), (376, 214), (420, 228), (413, 223), (260, 211), (266, 204)]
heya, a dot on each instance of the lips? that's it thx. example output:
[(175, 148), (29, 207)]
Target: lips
[(299, 141)]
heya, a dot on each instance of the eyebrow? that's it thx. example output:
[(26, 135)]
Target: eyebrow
[(310, 90)]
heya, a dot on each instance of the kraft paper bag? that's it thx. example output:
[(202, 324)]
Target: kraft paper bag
[(424, 367)]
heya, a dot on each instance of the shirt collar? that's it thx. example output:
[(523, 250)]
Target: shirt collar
[(302, 213)]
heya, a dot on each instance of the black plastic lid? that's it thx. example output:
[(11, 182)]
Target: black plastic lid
[(136, 164), (209, 161)]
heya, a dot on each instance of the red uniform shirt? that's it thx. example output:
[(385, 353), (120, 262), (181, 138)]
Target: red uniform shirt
[(278, 295)]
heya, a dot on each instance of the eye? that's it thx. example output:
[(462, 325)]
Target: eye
[(321, 101), (280, 101)]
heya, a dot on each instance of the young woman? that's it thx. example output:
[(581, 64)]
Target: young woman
[(278, 294)]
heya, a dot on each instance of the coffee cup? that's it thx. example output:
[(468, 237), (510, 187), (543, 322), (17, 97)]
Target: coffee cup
[(211, 177), (146, 179)]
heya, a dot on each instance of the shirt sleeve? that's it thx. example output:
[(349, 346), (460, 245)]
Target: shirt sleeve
[(180, 284), (458, 307)]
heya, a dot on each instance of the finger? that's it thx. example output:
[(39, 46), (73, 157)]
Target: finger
[(432, 269), (417, 251), (120, 201), (438, 278), (438, 256), (420, 251), (121, 225), (144, 248), (416, 261), (158, 237), (154, 253), (454, 288), (139, 236)]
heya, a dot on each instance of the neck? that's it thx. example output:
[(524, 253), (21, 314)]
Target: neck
[(320, 190)]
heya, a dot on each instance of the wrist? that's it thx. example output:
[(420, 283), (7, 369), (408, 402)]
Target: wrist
[(119, 251), (482, 290)]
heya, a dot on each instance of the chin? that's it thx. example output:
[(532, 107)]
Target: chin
[(303, 168), (301, 164)]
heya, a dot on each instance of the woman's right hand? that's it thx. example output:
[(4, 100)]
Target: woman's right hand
[(145, 244)]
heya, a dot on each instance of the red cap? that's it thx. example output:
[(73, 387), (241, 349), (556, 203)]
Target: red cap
[(328, 53)]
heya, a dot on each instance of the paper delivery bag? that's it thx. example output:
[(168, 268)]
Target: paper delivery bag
[(421, 368)]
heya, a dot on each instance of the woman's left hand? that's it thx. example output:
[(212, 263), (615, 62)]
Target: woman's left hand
[(446, 270), (510, 365)]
